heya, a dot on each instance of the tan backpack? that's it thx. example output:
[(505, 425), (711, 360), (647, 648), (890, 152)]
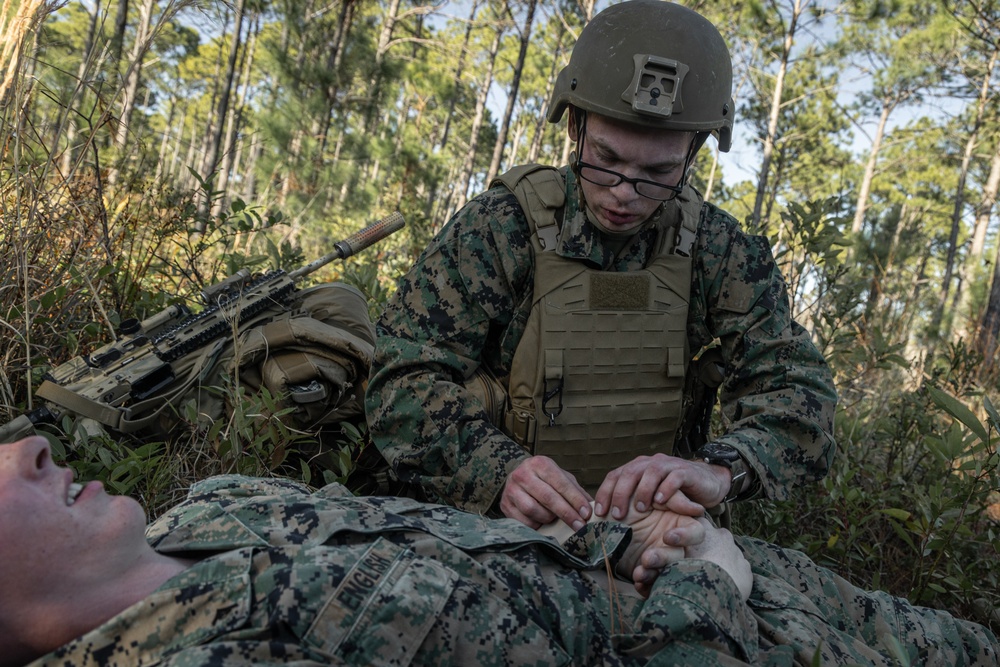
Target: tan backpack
[(315, 354)]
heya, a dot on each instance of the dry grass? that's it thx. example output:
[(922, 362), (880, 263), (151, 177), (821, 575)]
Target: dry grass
[(18, 21)]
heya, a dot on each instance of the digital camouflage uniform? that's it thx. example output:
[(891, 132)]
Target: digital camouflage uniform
[(466, 301), (290, 577)]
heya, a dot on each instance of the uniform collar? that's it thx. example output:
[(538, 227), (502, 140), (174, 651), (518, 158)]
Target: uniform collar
[(205, 601)]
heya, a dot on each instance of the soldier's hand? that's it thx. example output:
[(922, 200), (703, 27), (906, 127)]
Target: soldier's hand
[(655, 536), (539, 492), (718, 547), (654, 481)]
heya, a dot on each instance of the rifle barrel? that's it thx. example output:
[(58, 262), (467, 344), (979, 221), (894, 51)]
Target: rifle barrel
[(357, 242)]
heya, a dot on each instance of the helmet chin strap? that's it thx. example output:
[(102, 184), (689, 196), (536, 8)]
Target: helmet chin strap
[(581, 131), (696, 144)]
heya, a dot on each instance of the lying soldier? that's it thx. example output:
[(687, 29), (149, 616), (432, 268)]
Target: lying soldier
[(265, 571)]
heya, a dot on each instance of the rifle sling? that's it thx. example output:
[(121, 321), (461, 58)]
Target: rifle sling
[(122, 418), (81, 405)]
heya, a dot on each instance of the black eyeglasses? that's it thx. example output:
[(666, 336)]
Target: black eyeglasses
[(609, 179)]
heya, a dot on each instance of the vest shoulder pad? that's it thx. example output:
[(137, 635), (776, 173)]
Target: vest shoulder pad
[(541, 192)]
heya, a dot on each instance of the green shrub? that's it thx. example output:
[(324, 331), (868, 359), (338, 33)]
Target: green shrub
[(905, 507)]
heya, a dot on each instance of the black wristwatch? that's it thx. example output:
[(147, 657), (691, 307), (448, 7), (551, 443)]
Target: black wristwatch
[(727, 457)]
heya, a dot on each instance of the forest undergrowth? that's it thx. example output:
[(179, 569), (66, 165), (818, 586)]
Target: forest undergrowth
[(911, 504)]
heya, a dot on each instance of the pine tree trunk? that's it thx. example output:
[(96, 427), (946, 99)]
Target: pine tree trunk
[(477, 122), (956, 217), (250, 168), (135, 57), (515, 85), (542, 122), (161, 155), (969, 268), (459, 69), (118, 37), (989, 328), (293, 152), (225, 94), (337, 49), (69, 154), (235, 121), (375, 85), (864, 190), (775, 114)]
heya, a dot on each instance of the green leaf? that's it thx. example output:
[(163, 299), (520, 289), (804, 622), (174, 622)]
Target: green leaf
[(106, 457), (991, 411), (56, 295), (56, 445), (902, 534), (959, 411)]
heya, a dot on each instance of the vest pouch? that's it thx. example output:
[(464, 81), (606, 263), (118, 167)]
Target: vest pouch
[(520, 426), (491, 392)]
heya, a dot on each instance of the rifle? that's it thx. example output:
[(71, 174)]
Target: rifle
[(126, 384)]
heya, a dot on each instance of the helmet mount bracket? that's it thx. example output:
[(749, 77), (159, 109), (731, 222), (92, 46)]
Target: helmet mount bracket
[(655, 88)]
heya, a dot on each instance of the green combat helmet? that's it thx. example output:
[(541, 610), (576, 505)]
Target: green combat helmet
[(651, 63)]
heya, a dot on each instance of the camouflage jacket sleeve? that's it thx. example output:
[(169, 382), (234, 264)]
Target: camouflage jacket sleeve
[(778, 397), (448, 312), (798, 614)]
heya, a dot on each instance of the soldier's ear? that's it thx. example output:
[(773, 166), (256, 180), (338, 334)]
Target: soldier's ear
[(574, 123)]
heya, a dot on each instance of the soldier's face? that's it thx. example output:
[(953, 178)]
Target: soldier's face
[(49, 533), (634, 152)]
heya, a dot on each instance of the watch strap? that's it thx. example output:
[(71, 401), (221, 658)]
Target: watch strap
[(743, 483)]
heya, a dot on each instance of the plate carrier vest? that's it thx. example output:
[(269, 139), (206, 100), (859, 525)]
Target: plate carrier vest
[(598, 376)]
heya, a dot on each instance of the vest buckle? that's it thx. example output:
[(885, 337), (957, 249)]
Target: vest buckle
[(550, 393)]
